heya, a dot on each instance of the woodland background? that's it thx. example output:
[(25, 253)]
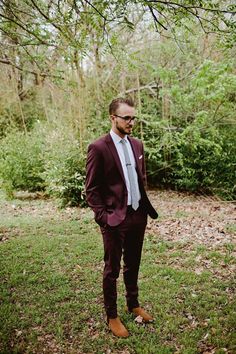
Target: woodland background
[(62, 62)]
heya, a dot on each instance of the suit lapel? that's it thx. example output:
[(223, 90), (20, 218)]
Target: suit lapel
[(135, 152), (115, 155), (114, 152)]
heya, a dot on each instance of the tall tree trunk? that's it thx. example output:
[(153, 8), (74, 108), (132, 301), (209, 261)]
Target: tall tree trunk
[(139, 104)]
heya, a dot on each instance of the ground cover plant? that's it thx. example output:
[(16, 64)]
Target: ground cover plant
[(51, 267)]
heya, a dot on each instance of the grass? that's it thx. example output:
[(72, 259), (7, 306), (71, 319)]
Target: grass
[(51, 297)]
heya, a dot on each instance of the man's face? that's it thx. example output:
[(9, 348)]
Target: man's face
[(120, 126)]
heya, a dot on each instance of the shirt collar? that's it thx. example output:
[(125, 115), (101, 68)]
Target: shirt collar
[(116, 138)]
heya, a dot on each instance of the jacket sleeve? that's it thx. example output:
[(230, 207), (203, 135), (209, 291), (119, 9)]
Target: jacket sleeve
[(94, 184)]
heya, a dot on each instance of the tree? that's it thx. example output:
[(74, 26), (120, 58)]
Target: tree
[(67, 27)]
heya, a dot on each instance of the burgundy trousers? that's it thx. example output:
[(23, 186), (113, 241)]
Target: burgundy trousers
[(126, 239)]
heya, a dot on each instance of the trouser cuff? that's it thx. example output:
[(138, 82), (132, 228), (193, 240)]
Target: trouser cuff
[(112, 314), (132, 306)]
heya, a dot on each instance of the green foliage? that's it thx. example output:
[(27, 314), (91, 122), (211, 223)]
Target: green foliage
[(21, 162), (193, 147), (44, 160), (185, 98), (19, 114), (64, 163), (225, 176), (195, 159), (198, 158)]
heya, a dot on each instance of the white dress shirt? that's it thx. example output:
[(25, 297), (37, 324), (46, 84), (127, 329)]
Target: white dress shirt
[(117, 141)]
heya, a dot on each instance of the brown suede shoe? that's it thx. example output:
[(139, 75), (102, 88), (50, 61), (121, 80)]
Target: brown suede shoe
[(138, 311), (117, 327)]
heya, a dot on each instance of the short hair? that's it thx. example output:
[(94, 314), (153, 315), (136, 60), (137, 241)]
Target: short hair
[(114, 105)]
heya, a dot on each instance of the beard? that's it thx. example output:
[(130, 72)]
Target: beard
[(123, 130)]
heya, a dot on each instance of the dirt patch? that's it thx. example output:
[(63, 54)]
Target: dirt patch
[(195, 219), (183, 217)]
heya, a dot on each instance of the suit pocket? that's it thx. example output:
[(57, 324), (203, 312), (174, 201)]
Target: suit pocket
[(101, 218), (109, 202)]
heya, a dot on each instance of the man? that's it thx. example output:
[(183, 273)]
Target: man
[(115, 190)]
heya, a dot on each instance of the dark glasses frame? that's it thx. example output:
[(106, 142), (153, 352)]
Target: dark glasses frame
[(126, 118)]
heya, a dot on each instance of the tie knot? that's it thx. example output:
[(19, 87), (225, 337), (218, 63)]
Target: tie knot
[(123, 141)]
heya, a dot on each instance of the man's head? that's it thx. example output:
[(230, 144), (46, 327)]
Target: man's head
[(122, 114)]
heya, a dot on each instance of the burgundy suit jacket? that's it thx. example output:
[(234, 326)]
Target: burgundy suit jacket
[(106, 190)]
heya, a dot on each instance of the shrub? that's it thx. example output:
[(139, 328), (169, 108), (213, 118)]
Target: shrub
[(195, 159), (201, 157), (21, 163), (64, 173)]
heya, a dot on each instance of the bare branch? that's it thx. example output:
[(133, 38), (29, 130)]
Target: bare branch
[(46, 17), (24, 28), (191, 7), (9, 62), (155, 19), (150, 87), (89, 3)]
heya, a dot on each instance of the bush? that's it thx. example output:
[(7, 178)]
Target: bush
[(195, 159), (21, 163), (64, 173), (44, 159), (201, 158), (225, 176)]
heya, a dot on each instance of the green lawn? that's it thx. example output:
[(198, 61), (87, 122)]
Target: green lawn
[(51, 296)]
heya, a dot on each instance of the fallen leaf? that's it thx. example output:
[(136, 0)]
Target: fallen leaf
[(138, 319)]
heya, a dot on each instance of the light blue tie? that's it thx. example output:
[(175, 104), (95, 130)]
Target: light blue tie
[(132, 179)]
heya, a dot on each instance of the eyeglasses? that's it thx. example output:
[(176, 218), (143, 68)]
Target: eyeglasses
[(126, 118)]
